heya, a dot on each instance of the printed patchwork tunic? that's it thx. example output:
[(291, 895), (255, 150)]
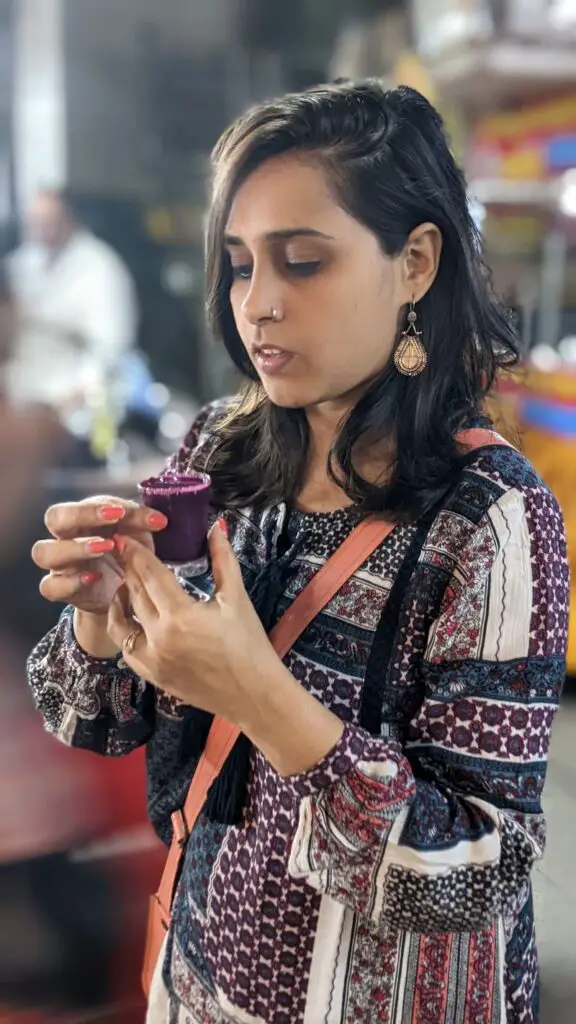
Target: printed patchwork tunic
[(391, 882)]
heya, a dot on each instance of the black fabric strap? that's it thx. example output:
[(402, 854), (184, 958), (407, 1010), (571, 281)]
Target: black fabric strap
[(385, 636)]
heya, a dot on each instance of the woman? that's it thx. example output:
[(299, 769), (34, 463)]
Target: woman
[(365, 854)]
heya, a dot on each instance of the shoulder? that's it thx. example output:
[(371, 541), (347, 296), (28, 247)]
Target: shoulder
[(504, 478), (504, 467), (26, 258), (498, 498), (493, 475), (20, 255)]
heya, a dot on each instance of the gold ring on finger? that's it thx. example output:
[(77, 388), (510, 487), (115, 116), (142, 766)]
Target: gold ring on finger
[(130, 641)]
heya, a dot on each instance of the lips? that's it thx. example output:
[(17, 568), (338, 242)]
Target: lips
[(271, 359)]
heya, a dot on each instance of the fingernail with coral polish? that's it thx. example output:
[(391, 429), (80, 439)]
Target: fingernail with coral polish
[(88, 578), (99, 547), (120, 543), (223, 525), (111, 513), (157, 520)]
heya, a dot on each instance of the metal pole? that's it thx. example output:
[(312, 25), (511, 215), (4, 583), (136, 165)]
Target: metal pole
[(552, 284)]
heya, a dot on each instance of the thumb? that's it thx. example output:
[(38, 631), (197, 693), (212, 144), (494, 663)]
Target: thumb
[(225, 567)]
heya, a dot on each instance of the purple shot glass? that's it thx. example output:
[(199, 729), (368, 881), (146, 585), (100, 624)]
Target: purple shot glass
[(185, 500)]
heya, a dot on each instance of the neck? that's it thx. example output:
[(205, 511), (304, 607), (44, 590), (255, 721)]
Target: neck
[(320, 493), (323, 422)]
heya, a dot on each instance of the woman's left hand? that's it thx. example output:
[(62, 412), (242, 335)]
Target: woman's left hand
[(211, 654), (215, 655)]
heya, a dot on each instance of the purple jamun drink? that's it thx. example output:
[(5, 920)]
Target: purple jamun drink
[(185, 500)]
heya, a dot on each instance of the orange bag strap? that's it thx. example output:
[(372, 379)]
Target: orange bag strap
[(352, 553), (481, 437)]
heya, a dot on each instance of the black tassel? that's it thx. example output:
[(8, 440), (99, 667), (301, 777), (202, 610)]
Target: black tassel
[(227, 794), (195, 728)]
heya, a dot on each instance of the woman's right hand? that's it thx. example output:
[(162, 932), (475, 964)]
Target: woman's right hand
[(79, 557)]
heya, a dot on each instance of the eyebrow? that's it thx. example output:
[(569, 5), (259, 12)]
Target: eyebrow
[(282, 235)]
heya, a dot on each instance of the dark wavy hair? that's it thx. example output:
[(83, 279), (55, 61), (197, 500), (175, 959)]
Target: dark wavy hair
[(389, 164)]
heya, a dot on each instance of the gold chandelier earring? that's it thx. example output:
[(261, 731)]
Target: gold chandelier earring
[(410, 357)]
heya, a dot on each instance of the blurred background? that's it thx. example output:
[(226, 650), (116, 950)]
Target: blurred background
[(108, 112)]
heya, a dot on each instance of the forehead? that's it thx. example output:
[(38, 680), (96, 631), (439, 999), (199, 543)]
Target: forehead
[(283, 193)]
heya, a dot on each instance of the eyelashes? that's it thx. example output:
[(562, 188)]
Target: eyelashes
[(302, 268), (305, 268)]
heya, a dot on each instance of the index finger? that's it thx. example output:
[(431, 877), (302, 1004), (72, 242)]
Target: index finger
[(73, 519), (148, 571)]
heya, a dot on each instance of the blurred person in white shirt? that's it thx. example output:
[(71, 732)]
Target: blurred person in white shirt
[(76, 307), (57, 916)]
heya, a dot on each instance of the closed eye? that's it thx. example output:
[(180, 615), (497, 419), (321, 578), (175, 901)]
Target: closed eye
[(300, 268), (303, 269)]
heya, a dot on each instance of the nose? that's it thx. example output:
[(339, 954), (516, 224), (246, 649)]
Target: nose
[(262, 302)]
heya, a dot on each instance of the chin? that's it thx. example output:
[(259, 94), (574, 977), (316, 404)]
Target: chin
[(288, 396)]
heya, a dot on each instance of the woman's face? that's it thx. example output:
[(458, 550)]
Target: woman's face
[(315, 300)]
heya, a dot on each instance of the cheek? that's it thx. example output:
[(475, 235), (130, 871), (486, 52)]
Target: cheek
[(376, 308), (362, 319), (237, 296)]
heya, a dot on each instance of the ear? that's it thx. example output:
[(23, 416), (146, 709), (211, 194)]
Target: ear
[(421, 259)]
